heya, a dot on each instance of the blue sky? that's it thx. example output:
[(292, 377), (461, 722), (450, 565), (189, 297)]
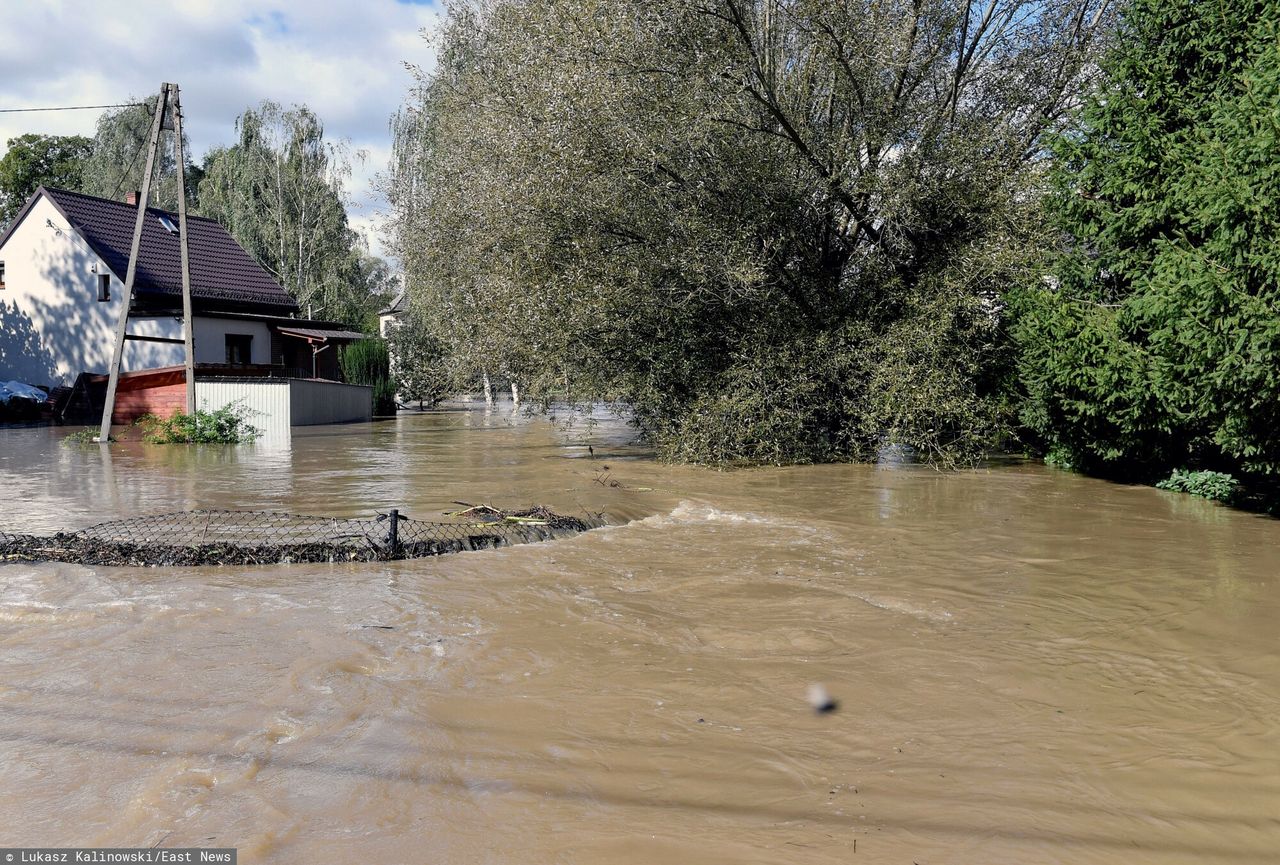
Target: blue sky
[(344, 58)]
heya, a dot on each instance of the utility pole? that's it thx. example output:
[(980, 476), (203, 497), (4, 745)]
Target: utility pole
[(172, 113), (188, 325)]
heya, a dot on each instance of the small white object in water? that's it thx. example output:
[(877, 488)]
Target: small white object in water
[(822, 702)]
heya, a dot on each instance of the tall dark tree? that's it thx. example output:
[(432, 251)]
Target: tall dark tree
[(1157, 344), (33, 160)]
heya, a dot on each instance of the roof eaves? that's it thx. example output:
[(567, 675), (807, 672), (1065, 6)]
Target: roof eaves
[(397, 306), (47, 192), (26, 209), (267, 293)]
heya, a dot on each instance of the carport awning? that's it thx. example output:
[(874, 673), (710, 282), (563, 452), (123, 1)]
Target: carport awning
[(316, 335)]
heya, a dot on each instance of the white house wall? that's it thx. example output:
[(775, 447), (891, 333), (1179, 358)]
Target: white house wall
[(52, 325)]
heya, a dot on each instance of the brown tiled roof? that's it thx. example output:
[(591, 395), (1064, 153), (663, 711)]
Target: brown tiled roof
[(223, 276)]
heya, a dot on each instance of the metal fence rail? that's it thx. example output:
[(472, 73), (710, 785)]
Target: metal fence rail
[(209, 537)]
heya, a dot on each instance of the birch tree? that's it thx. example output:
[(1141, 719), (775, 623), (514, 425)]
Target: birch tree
[(280, 191)]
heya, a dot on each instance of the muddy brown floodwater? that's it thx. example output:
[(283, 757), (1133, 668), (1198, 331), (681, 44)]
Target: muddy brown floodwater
[(1031, 667)]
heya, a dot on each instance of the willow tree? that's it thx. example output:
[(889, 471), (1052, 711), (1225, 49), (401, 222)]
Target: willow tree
[(778, 229), (118, 158), (280, 191)]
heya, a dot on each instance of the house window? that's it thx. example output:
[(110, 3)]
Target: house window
[(1, 275), (238, 348), (104, 287)]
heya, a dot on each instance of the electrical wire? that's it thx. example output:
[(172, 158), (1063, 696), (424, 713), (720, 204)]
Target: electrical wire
[(70, 107), (123, 177), (136, 153)]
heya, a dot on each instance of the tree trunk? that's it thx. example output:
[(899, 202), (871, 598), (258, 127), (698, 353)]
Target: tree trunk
[(488, 391), (515, 394)]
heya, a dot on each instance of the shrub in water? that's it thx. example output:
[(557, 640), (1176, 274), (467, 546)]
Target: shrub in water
[(227, 425), (1218, 486), (88, 435)]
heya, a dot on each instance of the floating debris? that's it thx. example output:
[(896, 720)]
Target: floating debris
[(822, 702)]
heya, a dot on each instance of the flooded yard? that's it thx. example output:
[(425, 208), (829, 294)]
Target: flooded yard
[(1031, 666)]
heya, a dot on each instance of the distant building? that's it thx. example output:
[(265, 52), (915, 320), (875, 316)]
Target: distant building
[(389, 317), (63, 263)]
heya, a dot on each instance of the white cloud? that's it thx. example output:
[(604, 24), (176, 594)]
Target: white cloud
[(344, 59)]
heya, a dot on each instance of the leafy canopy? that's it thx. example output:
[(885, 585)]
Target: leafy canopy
[(33, 160), (279, 190), (1157, 345), (118, 159), (778, 230)]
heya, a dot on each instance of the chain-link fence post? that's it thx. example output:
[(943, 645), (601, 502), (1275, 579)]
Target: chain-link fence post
[(215, 537), (393, 534)]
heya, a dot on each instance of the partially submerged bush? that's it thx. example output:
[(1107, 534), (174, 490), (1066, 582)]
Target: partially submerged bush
[(840, 393), (227, 425), (734, 225), (384, 396), (88, 435), (1219, 486)]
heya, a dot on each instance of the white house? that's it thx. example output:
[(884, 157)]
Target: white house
[(390, 317), (63, 262)]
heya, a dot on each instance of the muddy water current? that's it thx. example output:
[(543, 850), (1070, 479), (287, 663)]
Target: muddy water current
[(1031, 667)]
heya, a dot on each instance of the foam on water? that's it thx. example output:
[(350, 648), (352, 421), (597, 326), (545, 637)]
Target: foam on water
[(906, 608)]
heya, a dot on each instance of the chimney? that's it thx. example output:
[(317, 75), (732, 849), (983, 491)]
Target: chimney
[(131, 199)]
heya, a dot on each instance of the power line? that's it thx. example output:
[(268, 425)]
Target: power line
[(127, 172), (70, 107)]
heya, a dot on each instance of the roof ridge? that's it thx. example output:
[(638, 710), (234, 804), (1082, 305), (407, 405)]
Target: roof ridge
[(61, 191), (222, 271)]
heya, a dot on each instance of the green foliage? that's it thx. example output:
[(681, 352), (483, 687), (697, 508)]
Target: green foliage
[(384, 397), (365, 361), (1157, 343), (279, 191), (227, 425), (368, 362), (119, 158), (1059, 458), (34, 160), (779, 231), (1209, 485), (419, 362), (88, 435)]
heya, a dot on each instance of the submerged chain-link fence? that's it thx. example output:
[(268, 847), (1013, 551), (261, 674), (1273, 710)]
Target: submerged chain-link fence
[(208, 537)]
